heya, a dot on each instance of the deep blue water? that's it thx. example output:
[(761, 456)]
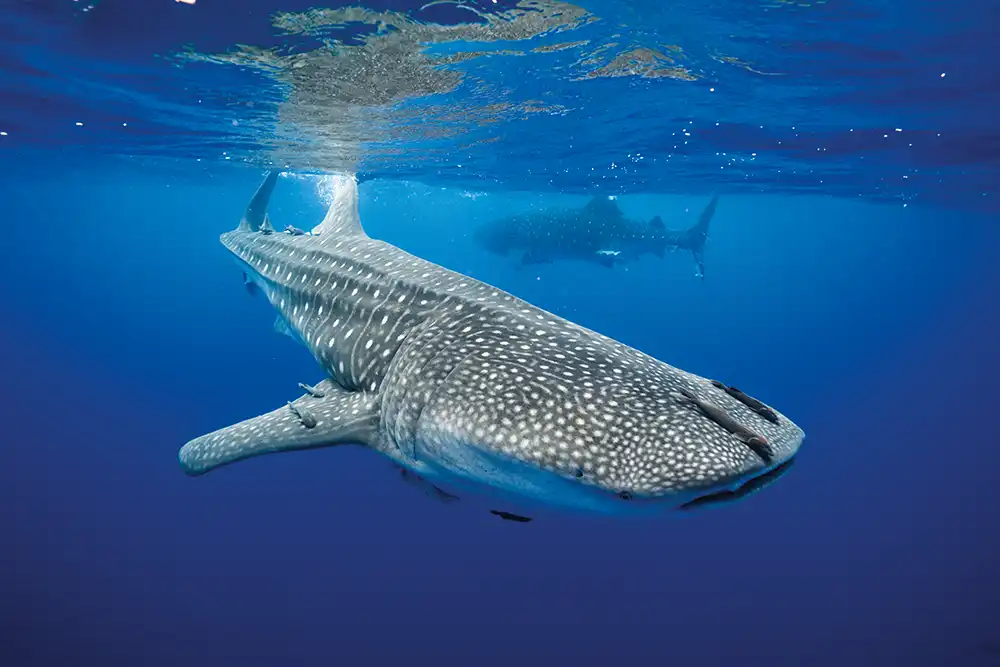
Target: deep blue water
[(861, 303)]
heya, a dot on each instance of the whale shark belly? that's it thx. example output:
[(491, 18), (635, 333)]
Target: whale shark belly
[(469, 470)]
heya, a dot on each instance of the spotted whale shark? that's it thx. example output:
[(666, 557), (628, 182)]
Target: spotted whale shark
[(597, 233), (470, 390)]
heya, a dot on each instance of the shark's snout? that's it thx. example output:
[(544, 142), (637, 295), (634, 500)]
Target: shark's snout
[(753, 485), (719, 445), (774, 441)]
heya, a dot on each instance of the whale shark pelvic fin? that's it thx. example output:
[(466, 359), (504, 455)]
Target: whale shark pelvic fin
[(338, 417), (432, 491), (281, 326)]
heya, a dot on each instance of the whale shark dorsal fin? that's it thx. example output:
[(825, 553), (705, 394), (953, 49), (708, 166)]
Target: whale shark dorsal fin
[(266, 226), (334, 417), (342, 217), (603, 205)]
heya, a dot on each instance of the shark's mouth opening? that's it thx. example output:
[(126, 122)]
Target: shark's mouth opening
[(750, 487)]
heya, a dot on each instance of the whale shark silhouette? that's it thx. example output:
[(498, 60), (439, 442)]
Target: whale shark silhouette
[(470, 390), (597, 233)]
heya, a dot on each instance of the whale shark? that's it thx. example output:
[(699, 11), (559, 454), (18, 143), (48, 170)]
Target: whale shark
[(597, 233), (471, 391)]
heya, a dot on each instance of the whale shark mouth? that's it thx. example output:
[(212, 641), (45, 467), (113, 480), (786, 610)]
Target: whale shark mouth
[(749, 488)]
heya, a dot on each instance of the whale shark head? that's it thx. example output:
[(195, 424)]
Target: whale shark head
[(575, 418)]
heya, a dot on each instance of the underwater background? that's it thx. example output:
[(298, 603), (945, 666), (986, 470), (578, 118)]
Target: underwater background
[(851, 281)]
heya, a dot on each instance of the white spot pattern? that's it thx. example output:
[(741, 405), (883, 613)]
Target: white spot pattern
[(445, 364)]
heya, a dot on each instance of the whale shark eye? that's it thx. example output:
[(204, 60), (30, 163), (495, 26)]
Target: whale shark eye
[(625, 495)]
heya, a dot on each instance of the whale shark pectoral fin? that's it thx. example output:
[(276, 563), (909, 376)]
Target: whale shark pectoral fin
[(249, 285), (342, 217), (338, 417)]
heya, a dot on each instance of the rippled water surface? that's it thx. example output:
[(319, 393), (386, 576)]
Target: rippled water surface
[(878, 100)]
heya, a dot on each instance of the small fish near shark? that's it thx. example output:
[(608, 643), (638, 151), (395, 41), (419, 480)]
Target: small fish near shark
[(472, 392), (597, 233)]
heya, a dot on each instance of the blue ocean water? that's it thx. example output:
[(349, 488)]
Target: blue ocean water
[(851, 281)]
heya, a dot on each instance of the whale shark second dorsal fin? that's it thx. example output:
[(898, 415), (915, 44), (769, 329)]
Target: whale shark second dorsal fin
[(342, 217), (266, 226)]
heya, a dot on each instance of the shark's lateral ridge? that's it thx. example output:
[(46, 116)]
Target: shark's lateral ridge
[(474, 391)]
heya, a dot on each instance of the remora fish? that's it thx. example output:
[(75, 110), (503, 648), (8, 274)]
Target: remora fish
[(466, 387), (596, 233)]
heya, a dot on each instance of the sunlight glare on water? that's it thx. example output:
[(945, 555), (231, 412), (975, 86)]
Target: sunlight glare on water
[(849, 99)]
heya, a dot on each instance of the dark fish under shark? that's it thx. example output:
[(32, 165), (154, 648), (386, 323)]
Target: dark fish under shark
[(467, 388), (597, 233)]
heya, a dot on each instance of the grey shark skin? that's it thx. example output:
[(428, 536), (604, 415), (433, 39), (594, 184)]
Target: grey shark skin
[(597, 233), (470, 388)]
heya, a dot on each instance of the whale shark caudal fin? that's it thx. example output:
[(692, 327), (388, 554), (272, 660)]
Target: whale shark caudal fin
[(334, 417), (695, 237), (256, 213)]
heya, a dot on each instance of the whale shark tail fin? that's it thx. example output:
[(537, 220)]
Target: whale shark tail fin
[(694, 238), (659, 236), (256, 213), (342, 217)]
